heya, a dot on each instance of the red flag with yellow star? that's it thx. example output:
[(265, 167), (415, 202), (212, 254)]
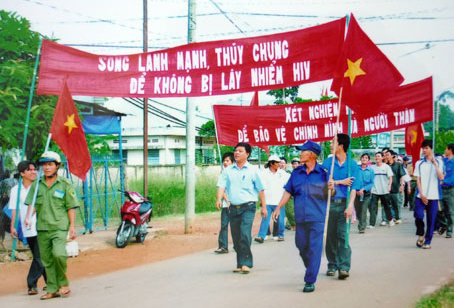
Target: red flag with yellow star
[(68, 134), (366, 75), (414, 136)]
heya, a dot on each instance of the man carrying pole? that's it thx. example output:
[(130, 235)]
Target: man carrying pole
[(341, 208)]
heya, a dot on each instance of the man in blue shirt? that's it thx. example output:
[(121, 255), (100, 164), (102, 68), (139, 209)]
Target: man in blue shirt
[(308, 185), (339, 256), (363, 196), (242, 183), (448, 191)]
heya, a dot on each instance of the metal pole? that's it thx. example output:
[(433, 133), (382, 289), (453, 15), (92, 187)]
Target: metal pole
[(24, 142), (190, 136), (145, 105)]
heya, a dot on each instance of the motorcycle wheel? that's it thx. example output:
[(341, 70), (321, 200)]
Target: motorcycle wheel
[(140, 238), (124, 236)]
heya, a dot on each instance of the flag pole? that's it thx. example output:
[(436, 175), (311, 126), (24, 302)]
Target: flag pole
[(349, 171), (328, 203), (24, 142)]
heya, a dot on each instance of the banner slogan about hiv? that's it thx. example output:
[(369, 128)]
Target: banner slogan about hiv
[(296, 123), (198, 69)]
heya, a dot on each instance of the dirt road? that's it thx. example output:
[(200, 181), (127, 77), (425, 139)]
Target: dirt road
[(387, 271)]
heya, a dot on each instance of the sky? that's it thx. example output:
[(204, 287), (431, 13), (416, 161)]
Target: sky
[(416, 35)]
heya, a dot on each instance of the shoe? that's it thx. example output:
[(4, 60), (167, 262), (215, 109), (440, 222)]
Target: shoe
[(288, 227), (237, 270), (281, 239), (441, 230), (245, 269), (64, 291), (294, 228), (392, 223), (275, 238), (398, 222), (309, 287), (343, 274), (362, 231), (221, 250), (266, 237), (32, 291), (330, 272), (383, 223), (420, 241), (370, 227), (448, 235), (426, 246), (259, 240), (50, 295)]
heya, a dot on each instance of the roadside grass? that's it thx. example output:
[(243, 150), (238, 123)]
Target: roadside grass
[(169, 194), (443, 298)]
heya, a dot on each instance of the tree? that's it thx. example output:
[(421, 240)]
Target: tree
[(208, 129), (18, 47), (281, 95)]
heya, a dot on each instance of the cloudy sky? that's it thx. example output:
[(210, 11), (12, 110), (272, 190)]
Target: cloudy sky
[(417, 35)]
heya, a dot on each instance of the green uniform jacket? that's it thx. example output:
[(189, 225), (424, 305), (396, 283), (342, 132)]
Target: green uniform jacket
[(52, 204)]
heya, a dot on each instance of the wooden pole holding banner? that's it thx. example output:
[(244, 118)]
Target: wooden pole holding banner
[(217, 139), (24, 142)]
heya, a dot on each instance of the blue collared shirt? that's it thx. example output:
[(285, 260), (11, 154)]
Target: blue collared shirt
[(367, 176), (309, 191), (449, 172), (242, 185), (341, 172)]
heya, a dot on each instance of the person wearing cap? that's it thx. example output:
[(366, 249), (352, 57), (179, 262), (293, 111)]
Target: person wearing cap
[(55, 205), (274, 179), (295, 163), (28, 172), (242, 183), (338, 255), (308, 184)]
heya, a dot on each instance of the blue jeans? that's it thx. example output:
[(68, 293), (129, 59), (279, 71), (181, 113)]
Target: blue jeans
[(431, 212), (241, 225), (309, 241), (266, 222), (223, 238)]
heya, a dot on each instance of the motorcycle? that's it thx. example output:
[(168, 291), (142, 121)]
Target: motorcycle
[(135, 215)]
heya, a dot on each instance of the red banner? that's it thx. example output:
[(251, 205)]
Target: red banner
[(296, 123), (197, 69)]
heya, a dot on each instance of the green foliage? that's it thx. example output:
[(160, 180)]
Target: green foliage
[(207, 129), (443, 298), (281, 95), (18, 48), (443, 139), (445, 120), (364, 142)]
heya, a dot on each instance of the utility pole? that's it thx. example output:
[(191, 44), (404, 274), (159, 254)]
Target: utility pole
[(190, 136), (145, 105)]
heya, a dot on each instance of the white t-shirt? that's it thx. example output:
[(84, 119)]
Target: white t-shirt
[(22, 210), (381, 179), (425, 170), (274, 185)]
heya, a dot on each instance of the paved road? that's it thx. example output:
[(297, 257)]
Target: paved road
[(387, 271)]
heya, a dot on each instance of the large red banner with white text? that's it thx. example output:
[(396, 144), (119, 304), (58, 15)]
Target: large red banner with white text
[(198, 69), (296, 123)]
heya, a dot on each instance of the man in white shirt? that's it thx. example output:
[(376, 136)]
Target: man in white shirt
[(429, 173), (380, 191), (28, 172), (274, 179)]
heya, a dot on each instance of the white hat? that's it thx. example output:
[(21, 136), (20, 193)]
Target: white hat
[(274, 158)]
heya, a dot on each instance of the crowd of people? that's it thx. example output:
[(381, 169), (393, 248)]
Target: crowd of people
[(326, 198)]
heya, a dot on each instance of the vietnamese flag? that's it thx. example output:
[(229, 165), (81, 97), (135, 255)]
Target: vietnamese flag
[(364, 72), (67, 132), (414, 136)]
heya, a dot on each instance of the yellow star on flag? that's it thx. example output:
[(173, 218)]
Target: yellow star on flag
[(70, 123), (354, 70), (413, 139)]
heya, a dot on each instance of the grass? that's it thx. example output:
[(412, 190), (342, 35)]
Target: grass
[(443, 298)]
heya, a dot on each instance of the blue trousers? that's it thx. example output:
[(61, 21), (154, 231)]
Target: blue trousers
[(266, 222), (309, 241), (223, 238), (431, 212), (241, 226)]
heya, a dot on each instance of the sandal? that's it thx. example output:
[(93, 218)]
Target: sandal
[(426, 246), (420, 241), (65, 291), (32, 291), (50, 295), (221, 250)]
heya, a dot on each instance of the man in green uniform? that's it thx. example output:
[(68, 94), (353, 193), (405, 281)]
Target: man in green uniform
[(55, 206)]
